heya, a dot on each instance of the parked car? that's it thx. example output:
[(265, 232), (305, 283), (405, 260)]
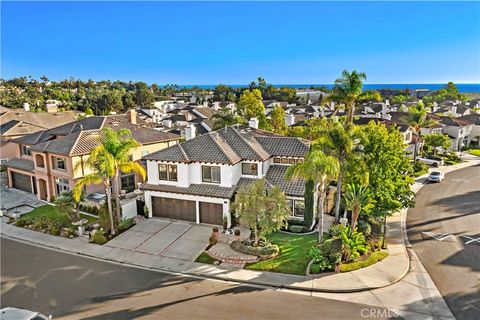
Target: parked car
[(432, 161), (436, 176), (21, 314)]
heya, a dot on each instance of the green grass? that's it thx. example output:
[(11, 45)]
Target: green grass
[(293, 257), (474, 152), (373, 258), (89, 218), (50, 212), (204, 257)]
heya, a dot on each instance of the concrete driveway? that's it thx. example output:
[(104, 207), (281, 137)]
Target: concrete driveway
[(163, 237)]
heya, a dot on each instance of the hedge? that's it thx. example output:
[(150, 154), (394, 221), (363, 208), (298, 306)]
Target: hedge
[(373, 258), (267, 251)]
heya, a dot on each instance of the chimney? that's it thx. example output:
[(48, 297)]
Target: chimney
[(253, 123), (190, 131), (132, 116), (290, 119), (26, 106), (167, 123)]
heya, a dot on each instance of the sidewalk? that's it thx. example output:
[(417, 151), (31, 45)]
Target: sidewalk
[(391, 270)]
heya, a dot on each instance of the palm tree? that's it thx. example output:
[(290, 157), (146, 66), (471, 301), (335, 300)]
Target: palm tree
[(417, 118), (347, 89), (119, 145), (321, 169), (65, 204), (357, 199), (102, 169)]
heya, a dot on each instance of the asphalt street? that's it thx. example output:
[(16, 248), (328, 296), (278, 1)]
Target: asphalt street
[(74, 287), (444, 230)]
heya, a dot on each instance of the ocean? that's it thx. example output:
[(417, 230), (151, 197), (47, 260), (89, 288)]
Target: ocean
[(462, 87)]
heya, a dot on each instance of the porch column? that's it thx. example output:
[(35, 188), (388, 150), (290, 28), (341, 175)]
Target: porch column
[(197, 210)]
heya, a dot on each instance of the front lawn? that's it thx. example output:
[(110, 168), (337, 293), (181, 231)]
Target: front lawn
[(53, 213), (293, 257)]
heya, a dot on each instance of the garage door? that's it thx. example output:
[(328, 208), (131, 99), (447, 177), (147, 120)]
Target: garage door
[(21, 181), (174, 209), (211, 213)]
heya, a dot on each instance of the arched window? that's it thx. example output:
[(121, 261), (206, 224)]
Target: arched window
[(40, 161)]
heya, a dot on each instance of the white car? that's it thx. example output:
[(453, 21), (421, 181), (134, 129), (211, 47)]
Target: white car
[(435, 162), (21, 314), (436, 176)]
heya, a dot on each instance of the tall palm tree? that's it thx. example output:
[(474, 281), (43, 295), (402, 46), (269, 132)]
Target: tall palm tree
[(417, 118), (321, 169), (101, 165), (119, 145), (357, 199), (347, 89)]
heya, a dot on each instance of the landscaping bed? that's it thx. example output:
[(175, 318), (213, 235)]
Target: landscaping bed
[(293, 257), (204, 257), (373, 258)]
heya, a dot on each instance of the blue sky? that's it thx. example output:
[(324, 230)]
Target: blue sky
[(233, 42)]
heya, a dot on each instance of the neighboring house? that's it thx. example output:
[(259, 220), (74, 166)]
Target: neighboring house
[(458, 130), (51, 161), (197, 180), (16, 123), (474, 119), (150, 114)]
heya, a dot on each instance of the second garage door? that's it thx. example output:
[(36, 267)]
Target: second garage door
[(211, 213), (21, 181), (174, 209)]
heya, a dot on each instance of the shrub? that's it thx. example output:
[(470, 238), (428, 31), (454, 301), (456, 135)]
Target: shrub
[(335, 230), (265, 251), (364, 227), (419, 168), (373, 258), (332, 250), (315, 268), (295, 222), (126, 224), (99, 238), (319, 260), (296, 229), (54, 230), (24, 221), (375, 226), (354, 244), (204, 257)]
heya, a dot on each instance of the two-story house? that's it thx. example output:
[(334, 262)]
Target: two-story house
[(197, 179), (458, 130), (51, 161)]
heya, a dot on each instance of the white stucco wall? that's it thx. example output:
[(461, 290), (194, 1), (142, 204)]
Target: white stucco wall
[(129, 209)]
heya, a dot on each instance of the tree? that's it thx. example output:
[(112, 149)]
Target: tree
[(386, 163), (108, 101), (128, 101), (144, 96), (101, 165), (321, 169), (417, 118), (223, 93), (438, 140), (370, 95), (250, 106), (357, 200), (347, 89), (309, 200), (277, 120), (263, 210), (65, 204), (118, 145), (398, 99), (225, 117)]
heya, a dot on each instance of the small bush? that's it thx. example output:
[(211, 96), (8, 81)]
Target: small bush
[(296, 229), (126, 224), (419, 168), (373, 258), (335, 230), (204, 257), (99, 238), (376, 227), (55, 231), (295, 222), (364, 227), (315, 268), (266, 251)]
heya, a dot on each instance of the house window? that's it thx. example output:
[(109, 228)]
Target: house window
[(276, 160), (291, 161), (290, 205), (172, 172), (26, 151), (284, 161), (39, 161), (299, 160), (61, 185), (299, 208), (250, 169), (167, 172), (211, 174), (59, 163)]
